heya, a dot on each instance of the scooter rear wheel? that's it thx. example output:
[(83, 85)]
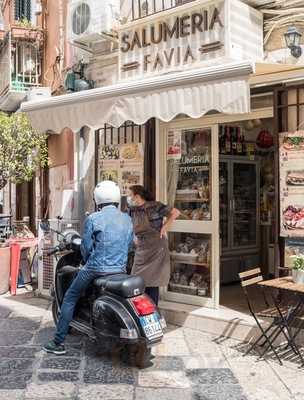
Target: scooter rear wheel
[(142, 356)]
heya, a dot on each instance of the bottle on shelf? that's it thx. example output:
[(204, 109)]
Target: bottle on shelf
[(244, 146), (222, 139), (228, 140), (239, 146), (234, 139)]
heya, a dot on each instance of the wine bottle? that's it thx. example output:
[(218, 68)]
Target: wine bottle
[(234, 140), (244, 147), (228, 140), (222, 140), (239, 147)]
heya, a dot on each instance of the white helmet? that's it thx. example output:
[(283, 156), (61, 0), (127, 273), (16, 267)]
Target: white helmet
[(107, 192)]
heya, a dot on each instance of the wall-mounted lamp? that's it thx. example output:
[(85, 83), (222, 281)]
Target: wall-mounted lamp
[(292, 39)]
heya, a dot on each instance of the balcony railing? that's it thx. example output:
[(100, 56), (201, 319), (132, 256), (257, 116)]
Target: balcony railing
[(144, 8), (20, 66)]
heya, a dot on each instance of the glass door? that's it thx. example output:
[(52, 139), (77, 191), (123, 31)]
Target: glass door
[(191, 183), (224, 203), (244, 204)]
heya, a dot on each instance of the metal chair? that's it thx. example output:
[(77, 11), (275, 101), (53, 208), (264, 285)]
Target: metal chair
[(270, 334)]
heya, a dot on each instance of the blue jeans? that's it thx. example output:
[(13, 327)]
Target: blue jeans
[(80, 283)]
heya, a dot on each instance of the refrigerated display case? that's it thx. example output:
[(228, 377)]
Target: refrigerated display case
[(239, 215)]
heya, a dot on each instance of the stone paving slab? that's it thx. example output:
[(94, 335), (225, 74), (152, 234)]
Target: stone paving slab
[(219, 392), (12, 394), (188, 365), (11, 324), (51, 391), (63, 376), (13, 338), (64, 363), (163, 394), (164, 379), (106, 392)]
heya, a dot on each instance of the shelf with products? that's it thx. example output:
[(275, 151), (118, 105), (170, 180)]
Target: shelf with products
[(190, 263), (174, 259)]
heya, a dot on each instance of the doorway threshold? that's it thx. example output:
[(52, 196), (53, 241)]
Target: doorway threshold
[(224, 321)]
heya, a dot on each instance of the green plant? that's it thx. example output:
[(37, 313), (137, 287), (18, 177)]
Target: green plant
[(24, 23), (298, 262), (22, 149)]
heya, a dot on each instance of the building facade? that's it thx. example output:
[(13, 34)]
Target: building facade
[(188, 101)]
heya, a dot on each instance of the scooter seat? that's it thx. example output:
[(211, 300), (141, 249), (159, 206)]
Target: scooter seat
[(121, 284)]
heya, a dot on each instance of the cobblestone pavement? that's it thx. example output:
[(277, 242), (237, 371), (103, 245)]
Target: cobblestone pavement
[(188, 365)]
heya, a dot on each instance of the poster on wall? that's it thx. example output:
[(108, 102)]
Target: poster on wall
[(174, 145), (292, 183), (131, 152), (109, 152), (109, 175), (122, 164), (129, 177)]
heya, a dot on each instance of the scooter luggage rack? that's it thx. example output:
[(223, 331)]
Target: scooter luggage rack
[(47, 240)]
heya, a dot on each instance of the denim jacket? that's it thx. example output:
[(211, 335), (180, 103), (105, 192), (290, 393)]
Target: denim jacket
[(107, 237)]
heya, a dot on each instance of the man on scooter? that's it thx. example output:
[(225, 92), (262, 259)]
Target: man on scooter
[(107, 236)]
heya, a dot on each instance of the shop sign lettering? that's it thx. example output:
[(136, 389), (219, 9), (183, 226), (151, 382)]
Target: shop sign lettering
[(177, 40)]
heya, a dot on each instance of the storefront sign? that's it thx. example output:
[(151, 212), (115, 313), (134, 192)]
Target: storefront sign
[(176, 40), (292, 183)]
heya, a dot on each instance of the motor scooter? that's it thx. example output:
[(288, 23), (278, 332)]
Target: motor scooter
[(114, 311)]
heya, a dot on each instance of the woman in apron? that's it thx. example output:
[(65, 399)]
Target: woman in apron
[(151, 220)]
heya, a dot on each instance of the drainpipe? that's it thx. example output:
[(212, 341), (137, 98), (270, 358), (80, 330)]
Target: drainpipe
[(81, 210)]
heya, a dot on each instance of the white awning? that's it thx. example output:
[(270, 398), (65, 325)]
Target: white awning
[(223, 88)]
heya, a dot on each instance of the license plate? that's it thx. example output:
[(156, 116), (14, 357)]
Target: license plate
[(151, 326)]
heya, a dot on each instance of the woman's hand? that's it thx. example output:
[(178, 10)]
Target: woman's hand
[(163, 231)]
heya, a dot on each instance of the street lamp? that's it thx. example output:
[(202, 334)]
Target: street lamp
[(292, 39)]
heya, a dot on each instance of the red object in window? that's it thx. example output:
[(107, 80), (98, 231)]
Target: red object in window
[(265, 139), (143, 305)]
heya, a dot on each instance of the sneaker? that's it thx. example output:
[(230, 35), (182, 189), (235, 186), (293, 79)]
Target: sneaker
[(52, 347)]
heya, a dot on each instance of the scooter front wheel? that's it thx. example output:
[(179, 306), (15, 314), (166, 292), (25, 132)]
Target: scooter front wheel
[(55, 312)]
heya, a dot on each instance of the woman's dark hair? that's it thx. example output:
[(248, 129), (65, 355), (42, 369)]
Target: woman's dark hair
[(142, 192)]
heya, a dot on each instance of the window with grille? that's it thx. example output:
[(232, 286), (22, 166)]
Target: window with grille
[(22, 10)]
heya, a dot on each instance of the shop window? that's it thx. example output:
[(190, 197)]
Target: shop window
[(190, 264), (263, 100), (189, 173)]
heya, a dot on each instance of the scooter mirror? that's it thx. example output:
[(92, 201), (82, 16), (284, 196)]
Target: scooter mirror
[(45, 226)]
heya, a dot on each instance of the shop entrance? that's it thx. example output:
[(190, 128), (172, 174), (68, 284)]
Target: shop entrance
[(219, 172), (247, 203)]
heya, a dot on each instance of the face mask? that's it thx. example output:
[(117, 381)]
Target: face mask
[(131, 202)]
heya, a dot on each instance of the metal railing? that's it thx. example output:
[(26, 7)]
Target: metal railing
[(144, 8), (20, 66)]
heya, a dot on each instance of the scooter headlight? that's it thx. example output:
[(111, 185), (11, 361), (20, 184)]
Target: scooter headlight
[(128, 334)]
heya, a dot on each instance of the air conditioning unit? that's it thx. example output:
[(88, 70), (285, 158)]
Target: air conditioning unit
[(92, 20), (46, 263), (38, 93)]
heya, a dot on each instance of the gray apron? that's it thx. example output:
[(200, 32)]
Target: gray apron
[(152, 258)]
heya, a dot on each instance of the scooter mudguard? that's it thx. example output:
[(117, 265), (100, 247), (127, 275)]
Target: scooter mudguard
[(110, 316)]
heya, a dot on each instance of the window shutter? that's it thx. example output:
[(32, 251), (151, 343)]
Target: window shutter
[(27, 9), (18, 11), (23, 9)]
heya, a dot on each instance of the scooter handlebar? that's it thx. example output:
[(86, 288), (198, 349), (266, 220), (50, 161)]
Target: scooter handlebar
[(53, 251)]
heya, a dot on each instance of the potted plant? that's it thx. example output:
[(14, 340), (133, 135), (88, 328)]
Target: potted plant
[(298, 269)]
